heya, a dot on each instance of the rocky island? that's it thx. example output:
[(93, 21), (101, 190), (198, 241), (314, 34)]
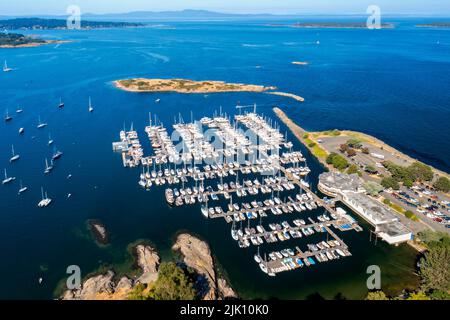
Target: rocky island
[(99, 231), (186, 86), (195, 254)]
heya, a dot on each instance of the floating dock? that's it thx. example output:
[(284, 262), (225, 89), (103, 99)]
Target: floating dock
[(242, 171)]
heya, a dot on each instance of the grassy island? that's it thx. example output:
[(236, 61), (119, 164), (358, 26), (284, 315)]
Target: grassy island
[(186, 86)]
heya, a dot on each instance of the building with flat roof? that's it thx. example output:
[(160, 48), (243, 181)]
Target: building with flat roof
[(350, 189)]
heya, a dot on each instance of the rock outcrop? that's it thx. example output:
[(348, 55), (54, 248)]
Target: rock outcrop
[(103, 287), (197, 255), (148, 260)]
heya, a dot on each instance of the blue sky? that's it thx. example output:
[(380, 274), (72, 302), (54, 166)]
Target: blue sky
[(27, 7)]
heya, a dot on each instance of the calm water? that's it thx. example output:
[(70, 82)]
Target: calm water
[(391, 83)]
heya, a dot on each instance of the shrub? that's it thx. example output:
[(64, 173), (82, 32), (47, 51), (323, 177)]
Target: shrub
[(365, 150), (389, 182), (312, 144), (410, 215)]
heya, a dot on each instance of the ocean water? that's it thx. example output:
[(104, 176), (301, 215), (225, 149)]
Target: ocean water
[(393, 84)]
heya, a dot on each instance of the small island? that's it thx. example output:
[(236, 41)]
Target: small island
[(49, 24), (99, 231), (186, 86), (434, 25), (339, 25), (16, 40)]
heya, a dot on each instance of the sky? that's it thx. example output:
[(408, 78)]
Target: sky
[(58, 7)]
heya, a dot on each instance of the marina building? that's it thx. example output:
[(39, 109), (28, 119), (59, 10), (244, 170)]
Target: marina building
[(349, 188)]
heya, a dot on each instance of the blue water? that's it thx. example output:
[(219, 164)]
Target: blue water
[(393, 84)]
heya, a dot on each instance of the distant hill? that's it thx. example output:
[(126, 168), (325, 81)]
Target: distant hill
[(188, 15), (39, 23)]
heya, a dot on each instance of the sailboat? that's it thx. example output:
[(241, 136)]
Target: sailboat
[(5, 68), (8, 179), (91, 109), (61, 104), (21, 130), (47, 167), (50, 140), (7, 116), (57, 154), (14, 157), (22, 188), (45, 200), (158, 100), (19, 110), (41, 125)]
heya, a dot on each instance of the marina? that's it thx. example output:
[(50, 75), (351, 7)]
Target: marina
[(249, 173)]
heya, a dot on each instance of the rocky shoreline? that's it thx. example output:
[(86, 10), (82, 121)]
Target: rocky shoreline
[(196, 255)]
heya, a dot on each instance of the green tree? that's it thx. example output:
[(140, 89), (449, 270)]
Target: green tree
[(420, 172), (390, 182), (339, 162), (173, 284), (138, 293), (435, 266), (439, 295), (376, 295), (442, 184), (354, 143), (429, 237), (407, 183)]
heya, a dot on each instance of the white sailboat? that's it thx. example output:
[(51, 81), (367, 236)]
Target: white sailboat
[(50, 140), (8, 179), (48, 168), (40, 124), (14, 157), (91, 109), (61, 103), (45, 202), (7, 116), (22, 188), (19, 110), (5, 67), (21, 130)]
